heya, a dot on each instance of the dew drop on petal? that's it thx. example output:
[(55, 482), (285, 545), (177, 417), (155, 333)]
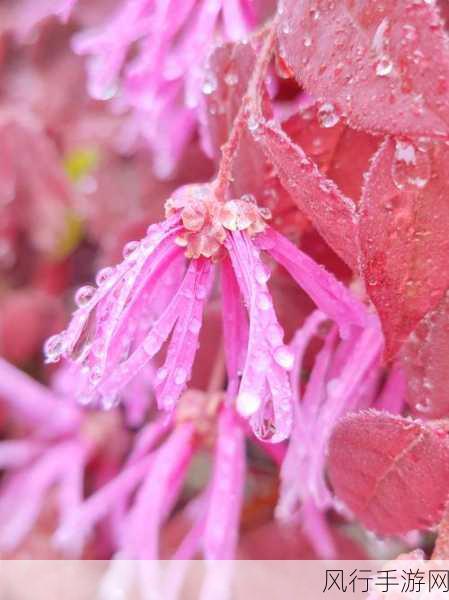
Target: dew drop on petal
[(327, 115), (263, 301), (151, 344), (247, 403), (261, 275), (209, 84), (161, 374), (130, 248), (53, 348), (231, 78), (104, 275), (307, 41), (253, 124), (84, 295), (284, 358)]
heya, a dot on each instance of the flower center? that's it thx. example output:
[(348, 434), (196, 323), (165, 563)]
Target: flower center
[(207, 221)]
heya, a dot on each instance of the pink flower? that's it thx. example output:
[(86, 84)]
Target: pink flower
[(154, 300), (141, 498), (346, 376), (164, 83), (54, 453)]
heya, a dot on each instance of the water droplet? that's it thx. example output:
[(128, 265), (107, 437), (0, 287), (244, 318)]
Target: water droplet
[(253, 124), (161, 374), (284, 358), (209, 84), (411, 167), (151, 344), (104, 275), (54, 348), (231, 78), (263, 301), (247, 403), (261, 274), (307, 41), (384, 66), (180, 376), (84, 295), (129, 249), (100, 90), (327, 115)]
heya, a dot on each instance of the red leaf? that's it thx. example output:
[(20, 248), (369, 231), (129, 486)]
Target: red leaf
[(332, 213), (392, 472), (341, 153), (404, 235), (385, 65), (425, 357)]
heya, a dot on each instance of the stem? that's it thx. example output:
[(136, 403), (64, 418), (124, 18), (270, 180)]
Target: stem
[(217, 377), (229, 149)]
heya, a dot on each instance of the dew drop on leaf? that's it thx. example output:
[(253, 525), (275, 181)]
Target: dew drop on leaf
[(327, 115), (384, 66), (411, 167)]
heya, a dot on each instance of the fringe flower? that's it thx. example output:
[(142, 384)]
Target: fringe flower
[(154, 300)]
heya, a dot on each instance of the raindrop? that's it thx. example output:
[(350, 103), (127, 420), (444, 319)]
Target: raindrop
[(247, 403), (231, 78), (327, 115), (129, 249), (104, 275), (209, 84), (253, 124), (411, 167), (53, 348), (284, 358), (84, 295), (384, 66), (180, 376), (161, 374), (261, 274), (263, 301), (307, 41)]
